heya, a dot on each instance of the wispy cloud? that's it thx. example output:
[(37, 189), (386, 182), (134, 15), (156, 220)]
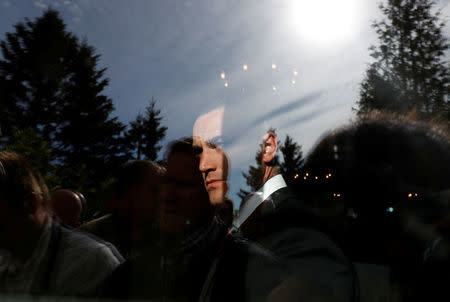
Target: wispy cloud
[(40, 5), (6, 4), (288, 107), (75, 9)]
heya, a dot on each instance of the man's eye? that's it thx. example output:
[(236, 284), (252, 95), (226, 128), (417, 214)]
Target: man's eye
[(211, 145), (215, 142)]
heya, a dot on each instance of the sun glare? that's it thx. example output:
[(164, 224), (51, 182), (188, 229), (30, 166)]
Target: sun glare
[(325, 22)]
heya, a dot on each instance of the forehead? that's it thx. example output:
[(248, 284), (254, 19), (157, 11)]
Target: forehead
[(199, 143)]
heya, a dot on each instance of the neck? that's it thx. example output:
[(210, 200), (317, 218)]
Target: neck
[(269, 172)]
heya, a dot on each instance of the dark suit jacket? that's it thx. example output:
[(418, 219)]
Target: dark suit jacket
[(293, 233), (234, 270)]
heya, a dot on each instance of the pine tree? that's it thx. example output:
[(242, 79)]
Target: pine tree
[(292, 159), (146, 132), (253, 178), (33, 73), (29, 144), (50, 82), (410, 70), (87, 134)]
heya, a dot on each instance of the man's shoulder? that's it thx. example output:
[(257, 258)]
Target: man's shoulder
[(243, 246), (297, 240), (82, 263), (74, 241), (255, 270)]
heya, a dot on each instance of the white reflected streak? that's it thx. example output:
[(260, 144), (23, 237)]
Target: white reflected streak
[(209, 125)]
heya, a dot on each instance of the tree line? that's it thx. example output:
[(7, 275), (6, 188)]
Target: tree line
[(409, 74), (54, 111)]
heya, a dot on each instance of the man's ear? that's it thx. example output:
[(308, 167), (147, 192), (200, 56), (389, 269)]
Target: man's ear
[(270, 147)]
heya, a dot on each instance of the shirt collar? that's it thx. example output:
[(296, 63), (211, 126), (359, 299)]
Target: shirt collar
[(272, 185)]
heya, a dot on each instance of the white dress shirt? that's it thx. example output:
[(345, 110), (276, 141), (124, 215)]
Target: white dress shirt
[(272, 185)]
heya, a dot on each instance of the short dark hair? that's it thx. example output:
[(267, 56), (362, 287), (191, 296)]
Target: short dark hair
[(382, 157), (18, 179), (132, 173), (184, 145)]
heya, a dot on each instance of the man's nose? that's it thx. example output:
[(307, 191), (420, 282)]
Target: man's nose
[(206, 161)]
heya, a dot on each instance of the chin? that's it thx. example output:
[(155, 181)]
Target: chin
[(217, 198)]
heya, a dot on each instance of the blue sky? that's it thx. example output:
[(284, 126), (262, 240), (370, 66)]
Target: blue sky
[(305, 60)]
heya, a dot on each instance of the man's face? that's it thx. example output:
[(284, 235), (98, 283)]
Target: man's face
[(214, 168), (184, 201)]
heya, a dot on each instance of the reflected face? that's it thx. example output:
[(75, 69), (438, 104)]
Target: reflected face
[(214, 168), (184, 201)]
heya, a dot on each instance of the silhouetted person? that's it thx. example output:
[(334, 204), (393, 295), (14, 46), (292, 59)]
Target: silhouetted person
[(39, 256), (67, 205), (386, 177), (275, 218), (197, 258), (132, 221)]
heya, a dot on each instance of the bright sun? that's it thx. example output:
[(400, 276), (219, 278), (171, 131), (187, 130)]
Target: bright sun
[(325, 22)]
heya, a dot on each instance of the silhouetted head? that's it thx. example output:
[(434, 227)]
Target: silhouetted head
[(370, 172), (67, 205), (135, 190), (24, 201)]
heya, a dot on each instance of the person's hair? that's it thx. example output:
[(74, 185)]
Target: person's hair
[(387, 150), (380, 162), (184, 145), (18, 179), (132, 173)]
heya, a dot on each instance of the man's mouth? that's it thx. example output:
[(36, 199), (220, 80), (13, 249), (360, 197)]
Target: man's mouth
[(213, 183)]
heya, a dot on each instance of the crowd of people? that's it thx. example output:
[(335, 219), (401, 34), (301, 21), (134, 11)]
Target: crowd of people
[(366, 218)]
